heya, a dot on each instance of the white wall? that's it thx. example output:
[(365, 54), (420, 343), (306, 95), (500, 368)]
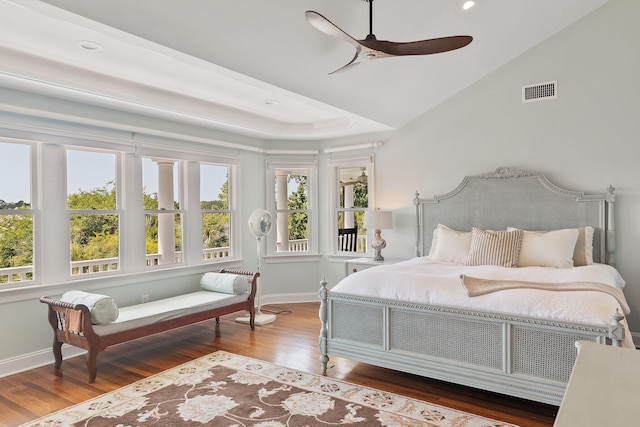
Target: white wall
[(585, 139)]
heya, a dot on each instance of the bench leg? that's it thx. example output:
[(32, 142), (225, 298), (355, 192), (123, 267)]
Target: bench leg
[(57, 356), (252, 317), (92, 366)]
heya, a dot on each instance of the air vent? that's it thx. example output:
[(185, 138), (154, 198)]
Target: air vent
[(540, 91)]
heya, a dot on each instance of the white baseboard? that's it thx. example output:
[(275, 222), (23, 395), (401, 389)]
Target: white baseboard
[(290, 298), (39, 358)]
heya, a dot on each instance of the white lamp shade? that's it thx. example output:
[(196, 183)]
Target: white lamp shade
[(378, 220)]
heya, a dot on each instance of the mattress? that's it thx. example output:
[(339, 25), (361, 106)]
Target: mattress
[(423, 281)]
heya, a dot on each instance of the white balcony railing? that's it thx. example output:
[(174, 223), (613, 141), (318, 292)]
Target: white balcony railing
[(216, 253), (302, 245), (16, 274), (94, 266)]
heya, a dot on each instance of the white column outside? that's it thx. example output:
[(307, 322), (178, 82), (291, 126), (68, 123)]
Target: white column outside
[(349, 220), (281, 218), (166, 224)]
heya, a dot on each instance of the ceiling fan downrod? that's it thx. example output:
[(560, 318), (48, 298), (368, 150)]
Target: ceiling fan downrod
[(370, 17)]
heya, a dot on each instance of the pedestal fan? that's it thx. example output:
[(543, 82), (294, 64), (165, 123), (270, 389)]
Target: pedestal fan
[(259, 226)]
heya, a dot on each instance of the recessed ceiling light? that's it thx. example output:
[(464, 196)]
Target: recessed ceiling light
[(468, 4), (89, 45)]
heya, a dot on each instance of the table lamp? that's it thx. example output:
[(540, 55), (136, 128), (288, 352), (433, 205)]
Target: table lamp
[(378, 220)]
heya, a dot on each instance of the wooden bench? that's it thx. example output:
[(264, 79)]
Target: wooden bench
[(96, 339)]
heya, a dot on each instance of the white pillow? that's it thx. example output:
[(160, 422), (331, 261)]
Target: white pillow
[(450, 245), (103, 309), (548, 249), (224, 283)]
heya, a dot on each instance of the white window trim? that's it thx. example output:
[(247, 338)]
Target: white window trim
[(33, 212), (334, 165), (233, 194), (51, 254), (119, 186), (312, 187)]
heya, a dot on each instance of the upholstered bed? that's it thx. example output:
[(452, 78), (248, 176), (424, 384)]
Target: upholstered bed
[(509, 271)]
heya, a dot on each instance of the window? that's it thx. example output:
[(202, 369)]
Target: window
[(216, 212), (81, 209), (16, 214), (292, 199), (163, 214), (93, 215), (351, 180)]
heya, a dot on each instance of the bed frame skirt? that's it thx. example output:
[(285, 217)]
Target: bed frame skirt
[(522, 357)]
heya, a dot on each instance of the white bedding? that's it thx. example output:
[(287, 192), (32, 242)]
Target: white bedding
[(421, 280)]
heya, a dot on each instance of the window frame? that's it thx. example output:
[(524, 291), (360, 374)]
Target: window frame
[(334, 166), (234, 230), (311, 168), (32, 212), (180, 164), (51, 238), (118, 211)]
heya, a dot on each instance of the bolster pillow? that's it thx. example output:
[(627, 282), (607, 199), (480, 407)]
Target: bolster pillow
[(103, 309), (225, 283)]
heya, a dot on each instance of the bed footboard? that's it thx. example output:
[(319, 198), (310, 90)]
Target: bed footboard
[(522, 357)]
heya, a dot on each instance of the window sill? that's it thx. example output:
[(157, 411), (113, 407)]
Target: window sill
[(345, 257), (274, 259)]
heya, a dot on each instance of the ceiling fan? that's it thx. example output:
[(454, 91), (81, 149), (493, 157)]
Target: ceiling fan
[(372, 48), (361, 179)]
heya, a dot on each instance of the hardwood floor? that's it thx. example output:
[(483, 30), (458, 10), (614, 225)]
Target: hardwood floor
[(290, 341)]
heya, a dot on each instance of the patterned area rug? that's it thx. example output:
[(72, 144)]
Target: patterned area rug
[(224, 389)]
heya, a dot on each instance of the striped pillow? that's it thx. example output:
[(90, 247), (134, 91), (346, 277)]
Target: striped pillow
[(500, 248)]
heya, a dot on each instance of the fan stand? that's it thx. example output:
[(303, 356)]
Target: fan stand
[(260, 318)]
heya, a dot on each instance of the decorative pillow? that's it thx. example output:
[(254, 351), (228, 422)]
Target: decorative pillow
[(225, 283), (500, 248), (583, 253), (450, 245), (103, 309), (548, 248)]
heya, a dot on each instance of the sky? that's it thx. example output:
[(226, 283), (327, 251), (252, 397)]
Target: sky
[(14, 173), (88, 170)]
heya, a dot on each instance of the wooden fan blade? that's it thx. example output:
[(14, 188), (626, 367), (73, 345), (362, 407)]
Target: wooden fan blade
[(328, 27), (421, 47), (355, 61)]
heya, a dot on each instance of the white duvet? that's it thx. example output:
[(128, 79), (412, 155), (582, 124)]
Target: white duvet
[(421, 280)]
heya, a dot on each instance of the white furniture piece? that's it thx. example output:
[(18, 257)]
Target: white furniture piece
[(603, 389), (520, 356), (141, 320), (358, 264)]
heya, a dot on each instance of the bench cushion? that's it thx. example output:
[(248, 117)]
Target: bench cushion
[(138, 315), (224, 282), (102, 307)]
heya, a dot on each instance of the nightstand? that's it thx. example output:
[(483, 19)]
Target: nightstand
[(358, 264)]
